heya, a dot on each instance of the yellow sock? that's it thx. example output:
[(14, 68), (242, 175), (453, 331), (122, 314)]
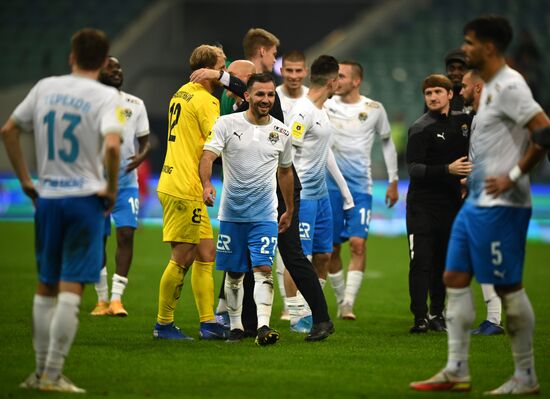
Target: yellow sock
[(170, 290), (202, 283)]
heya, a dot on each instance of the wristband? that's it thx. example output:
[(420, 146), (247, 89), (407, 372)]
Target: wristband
[(515, 174), (221, 75)]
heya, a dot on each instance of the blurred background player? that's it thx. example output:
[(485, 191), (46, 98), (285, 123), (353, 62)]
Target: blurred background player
[(255, 148), (186, 225), (311, 134), (77, 122), (436, 158), (126, 209), (490, 231), (356, 121), (472, 84), (293, 71), (455, 68)]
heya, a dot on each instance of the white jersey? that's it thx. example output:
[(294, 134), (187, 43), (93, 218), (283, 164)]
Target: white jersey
[(137, 125), (311, 132), (288, 102), (499, 138), (355, 126), (70, 114), (251, 155)]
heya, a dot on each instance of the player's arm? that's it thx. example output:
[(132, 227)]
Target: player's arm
[(390, 159), (112, 163), (334, 171), (286, 184), (534, 153), (10, 135), (205, 172), (230, 82), (143, 152)]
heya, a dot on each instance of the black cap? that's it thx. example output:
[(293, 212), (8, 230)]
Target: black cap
[(454, 56)]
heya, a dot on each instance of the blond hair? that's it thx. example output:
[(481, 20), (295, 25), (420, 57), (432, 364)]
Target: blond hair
[(205, 56)]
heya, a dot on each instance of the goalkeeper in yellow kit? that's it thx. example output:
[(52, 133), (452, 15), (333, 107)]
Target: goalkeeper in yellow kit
[(186, 226)]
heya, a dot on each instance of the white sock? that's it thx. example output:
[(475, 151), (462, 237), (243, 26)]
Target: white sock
[(222, 306), (234, 293), (62, 332), (42, 313), (459, 317), (119, 284), (102, 288), (307, 309), (338, 285), (295, 309), (353, 283), (263, 296), (520, 325), (493, 302), (322, 281), (281, 278)]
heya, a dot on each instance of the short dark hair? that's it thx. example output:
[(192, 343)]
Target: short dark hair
[(356, 68), (294, 56), (322, 68), (437, 80), (492, 28), (90, 48), (261, 78)]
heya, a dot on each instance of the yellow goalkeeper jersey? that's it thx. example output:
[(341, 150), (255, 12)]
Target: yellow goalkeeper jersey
[(192, 113)]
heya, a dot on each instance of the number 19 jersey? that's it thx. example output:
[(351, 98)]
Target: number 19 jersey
[(69, 115), (192, 113)]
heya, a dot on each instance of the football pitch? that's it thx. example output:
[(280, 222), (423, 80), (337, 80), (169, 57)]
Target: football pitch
[(373, 357)]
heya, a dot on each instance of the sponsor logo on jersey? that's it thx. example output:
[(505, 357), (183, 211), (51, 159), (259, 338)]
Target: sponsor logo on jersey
[(273, 137), (120, 115), (133, 100), (281, 130), (183, 95), (464, 129), (373, 104), (363, 116), (297, 130), (238, 135), (441, 135)]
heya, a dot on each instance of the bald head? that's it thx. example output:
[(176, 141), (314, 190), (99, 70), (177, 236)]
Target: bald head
[(242, 69)]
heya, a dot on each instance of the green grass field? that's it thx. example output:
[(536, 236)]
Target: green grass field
[(373, 357)]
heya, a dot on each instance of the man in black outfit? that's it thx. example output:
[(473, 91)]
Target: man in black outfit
[(437, 151), (289, 244), (455, 67)]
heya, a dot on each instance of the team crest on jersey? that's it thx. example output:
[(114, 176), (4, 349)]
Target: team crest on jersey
[(363, 116), (464, 129), (297, 130), (127, 113), (273, 137), (281, 130)]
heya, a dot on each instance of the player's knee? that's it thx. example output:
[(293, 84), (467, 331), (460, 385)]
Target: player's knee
[(263, 269), (456, 279), (125, 236), (357, 246), (234, 281)]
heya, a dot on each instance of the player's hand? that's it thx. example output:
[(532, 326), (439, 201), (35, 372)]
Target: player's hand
[(460, 167), (285, 221), (203, 74), (498, 185), (392, 195), (135, 162), (109, 199), (463, 188), (30, 190), (209, 195), (348, 203)]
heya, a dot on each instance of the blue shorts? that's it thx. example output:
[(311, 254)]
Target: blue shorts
[(354, 222), (489, 242), (69, 239), (126, 209), (316, 226), (237, 242)]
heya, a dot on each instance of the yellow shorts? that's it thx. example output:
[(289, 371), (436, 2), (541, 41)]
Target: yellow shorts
[(184, 220)]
